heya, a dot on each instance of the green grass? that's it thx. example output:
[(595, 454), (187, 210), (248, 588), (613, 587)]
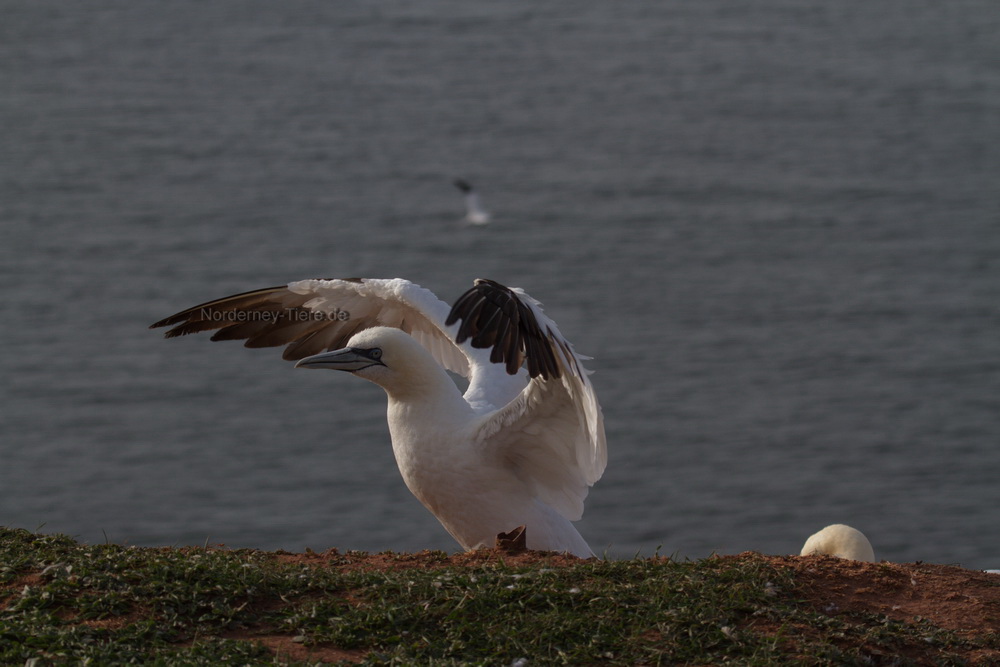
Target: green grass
[(65, 602)]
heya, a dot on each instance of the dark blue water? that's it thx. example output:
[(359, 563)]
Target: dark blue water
[(776, 228)]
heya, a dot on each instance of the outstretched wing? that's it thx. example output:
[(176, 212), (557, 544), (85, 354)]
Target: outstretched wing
[(552, 432), (312, 316)]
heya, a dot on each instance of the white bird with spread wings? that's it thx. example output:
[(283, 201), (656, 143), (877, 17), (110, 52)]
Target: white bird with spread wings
[(521, 447)]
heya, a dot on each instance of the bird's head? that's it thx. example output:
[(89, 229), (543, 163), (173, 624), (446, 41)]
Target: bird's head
[(386, 356)]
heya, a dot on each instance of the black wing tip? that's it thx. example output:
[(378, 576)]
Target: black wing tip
[(462, 185), (495, 317), (461, 307), (178, 318), (197, 313)]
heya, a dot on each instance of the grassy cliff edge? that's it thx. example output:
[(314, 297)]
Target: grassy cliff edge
[(62, 601)]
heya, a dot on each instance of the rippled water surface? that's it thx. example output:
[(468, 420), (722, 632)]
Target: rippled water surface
[(775, 228)]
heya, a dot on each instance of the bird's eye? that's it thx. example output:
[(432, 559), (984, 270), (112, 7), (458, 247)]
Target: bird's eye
[(375, 353)]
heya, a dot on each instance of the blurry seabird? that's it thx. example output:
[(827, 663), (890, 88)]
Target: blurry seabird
[(840, 541), (474, 212), (524, 443)]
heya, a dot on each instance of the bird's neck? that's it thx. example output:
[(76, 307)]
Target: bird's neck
[(423, 426), (426, 402)]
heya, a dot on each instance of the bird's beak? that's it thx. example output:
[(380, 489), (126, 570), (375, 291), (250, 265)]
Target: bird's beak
[(348, 359)]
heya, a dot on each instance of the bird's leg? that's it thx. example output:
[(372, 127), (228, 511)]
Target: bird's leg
[(514, 541)]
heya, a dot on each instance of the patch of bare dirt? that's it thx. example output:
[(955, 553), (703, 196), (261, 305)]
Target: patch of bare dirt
[(966, 601), (8, 592), (948, 597)]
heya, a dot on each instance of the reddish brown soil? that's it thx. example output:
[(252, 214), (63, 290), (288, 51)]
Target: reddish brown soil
[(949, 597)]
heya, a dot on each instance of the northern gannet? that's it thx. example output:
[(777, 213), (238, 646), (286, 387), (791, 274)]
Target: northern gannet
[(524, 443), (840, 541), (475, 214)]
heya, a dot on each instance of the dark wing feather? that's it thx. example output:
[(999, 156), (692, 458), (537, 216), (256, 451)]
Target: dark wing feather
[(492, 316), (264, 318)]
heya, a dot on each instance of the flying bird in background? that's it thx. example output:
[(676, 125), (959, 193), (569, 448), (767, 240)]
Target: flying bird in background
[(475, 214)]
